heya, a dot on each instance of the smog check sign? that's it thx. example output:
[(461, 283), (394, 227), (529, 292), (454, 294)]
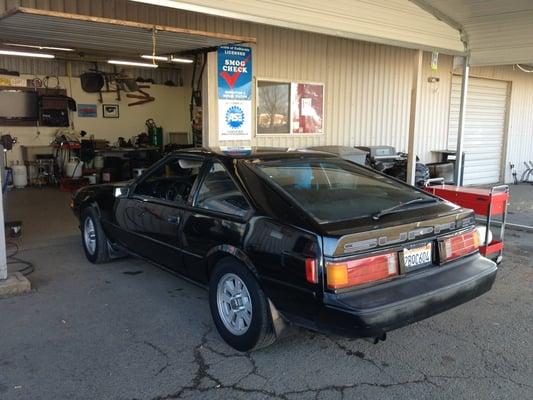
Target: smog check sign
[(234, 92)]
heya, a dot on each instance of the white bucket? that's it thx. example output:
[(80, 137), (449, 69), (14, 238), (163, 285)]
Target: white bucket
[(98, 162), (33, 172), (20, 176), (91, 178), (74, 168)]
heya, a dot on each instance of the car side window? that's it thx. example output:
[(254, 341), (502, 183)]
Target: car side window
[(219, 193), (172, 180)]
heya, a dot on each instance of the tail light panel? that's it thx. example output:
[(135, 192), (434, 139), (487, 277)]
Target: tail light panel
[(361, 271), (458, 245), (375, 268)]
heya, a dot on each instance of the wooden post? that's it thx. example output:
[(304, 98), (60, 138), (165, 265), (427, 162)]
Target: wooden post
[(458, 178), (415, 96)]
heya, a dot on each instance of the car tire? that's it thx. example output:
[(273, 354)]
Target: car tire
[(242, 316), (93, 237)]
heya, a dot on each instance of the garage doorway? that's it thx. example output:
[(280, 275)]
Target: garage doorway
[(106, 100), (484, 131)]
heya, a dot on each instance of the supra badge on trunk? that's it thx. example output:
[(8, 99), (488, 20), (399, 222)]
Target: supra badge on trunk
[(400, 234)]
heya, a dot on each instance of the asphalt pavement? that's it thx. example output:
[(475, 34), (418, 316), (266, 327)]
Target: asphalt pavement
[(128, 330)]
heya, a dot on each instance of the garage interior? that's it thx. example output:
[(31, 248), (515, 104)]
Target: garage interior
[(120, 94), (100, 120)]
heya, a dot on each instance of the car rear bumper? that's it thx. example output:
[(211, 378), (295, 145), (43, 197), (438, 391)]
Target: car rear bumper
[(375, 310)]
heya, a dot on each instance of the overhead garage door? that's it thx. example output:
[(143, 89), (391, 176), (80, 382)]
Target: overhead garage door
[(484, 128)]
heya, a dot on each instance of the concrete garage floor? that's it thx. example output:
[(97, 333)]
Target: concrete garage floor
[(128, 330)]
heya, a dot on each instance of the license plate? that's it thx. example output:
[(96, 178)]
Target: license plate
[(417, 257)]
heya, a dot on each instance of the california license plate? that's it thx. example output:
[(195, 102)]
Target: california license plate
[(417, 257)]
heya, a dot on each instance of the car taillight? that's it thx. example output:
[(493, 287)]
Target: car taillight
[(459, 245), (311, 270), (361, 271)]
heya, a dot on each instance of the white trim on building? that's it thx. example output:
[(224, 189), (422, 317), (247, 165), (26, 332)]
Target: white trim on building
[(392, 22)]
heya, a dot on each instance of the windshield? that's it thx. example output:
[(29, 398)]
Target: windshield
[(334, 189)]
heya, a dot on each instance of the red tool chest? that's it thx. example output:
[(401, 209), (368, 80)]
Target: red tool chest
[(488, 204)]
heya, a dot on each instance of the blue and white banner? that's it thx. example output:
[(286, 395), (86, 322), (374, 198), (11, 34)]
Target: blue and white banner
[(235, 92)]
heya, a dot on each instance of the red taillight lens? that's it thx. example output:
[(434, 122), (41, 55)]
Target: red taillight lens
[(456, 246), (364, 270), (311, 270)]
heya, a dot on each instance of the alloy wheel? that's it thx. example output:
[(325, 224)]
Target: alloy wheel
[(89, 236), (234, 304)]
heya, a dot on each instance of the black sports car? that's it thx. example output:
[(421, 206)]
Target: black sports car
[(295, 237)]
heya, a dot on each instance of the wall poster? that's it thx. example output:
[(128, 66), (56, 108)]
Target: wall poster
[(234, 92), (290, 108), (307, 106)]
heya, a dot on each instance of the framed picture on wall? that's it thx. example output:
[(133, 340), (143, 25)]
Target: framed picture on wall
[(87, 111), (290, 108), (110, 110)]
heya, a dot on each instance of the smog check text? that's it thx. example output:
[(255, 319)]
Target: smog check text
[(235, 66)]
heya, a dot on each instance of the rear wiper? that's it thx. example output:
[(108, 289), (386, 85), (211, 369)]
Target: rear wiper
[(390, 210)]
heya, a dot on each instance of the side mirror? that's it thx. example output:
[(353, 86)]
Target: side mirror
[(121, 191)]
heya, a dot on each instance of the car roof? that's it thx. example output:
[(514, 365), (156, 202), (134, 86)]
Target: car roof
[(339, 150), (256, 153)]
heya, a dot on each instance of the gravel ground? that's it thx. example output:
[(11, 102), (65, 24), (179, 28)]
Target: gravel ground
[(128, 330)]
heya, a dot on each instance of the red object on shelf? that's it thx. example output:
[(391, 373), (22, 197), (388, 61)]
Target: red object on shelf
[(488, 203), (67, 145), (72, 184)]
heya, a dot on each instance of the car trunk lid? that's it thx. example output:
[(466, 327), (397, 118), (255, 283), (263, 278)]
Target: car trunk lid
[(341, 239)]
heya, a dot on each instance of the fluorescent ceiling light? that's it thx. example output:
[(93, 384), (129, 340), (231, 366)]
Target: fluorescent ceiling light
[(181, 60), (159, 58), (133, 63), (39, 47), (167, 59), (25, 54)]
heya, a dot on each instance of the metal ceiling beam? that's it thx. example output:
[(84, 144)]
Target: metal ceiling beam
[(103, 36), (124, 23)]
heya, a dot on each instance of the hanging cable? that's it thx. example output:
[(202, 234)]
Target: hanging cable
[(523, 69), (154, 31), (12, 259)]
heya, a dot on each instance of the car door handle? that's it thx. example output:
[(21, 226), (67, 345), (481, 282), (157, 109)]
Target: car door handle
[(173, 219)]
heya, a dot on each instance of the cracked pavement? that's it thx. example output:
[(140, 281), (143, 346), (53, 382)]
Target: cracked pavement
[(128, 330)]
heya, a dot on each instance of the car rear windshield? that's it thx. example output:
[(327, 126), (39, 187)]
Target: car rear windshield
[(336, 190)]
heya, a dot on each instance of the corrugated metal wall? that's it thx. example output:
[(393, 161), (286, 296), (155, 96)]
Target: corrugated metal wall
[(393, 22), (367, 85), (432, 123), (489, 37), (367, 89)]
